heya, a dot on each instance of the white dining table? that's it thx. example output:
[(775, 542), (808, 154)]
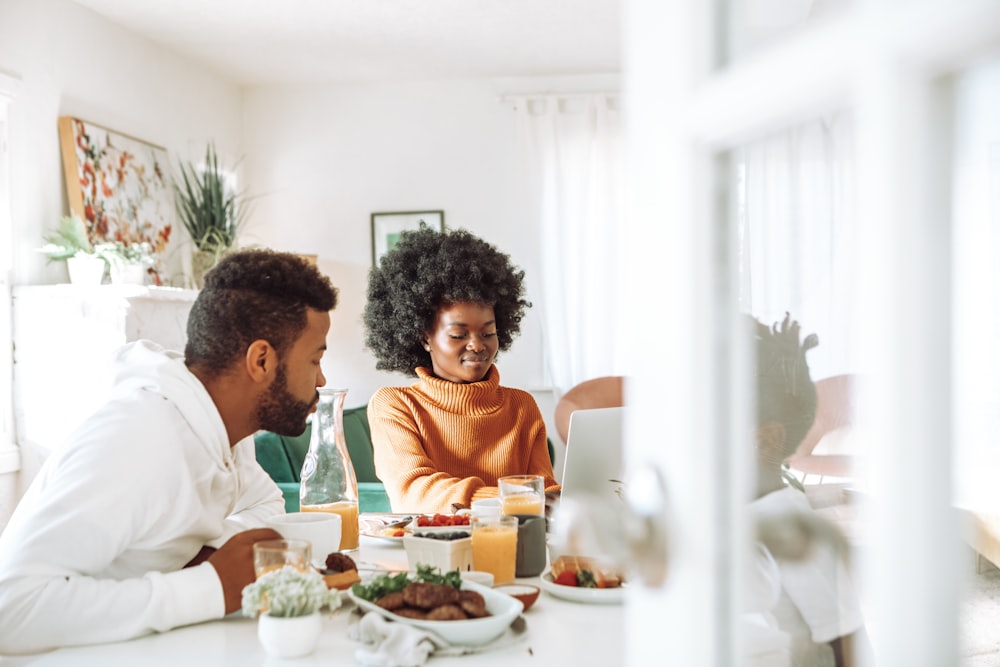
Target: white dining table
[(558, 632)]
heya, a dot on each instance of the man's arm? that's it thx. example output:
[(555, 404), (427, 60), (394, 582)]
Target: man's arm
[(851, 650), (259, 499)]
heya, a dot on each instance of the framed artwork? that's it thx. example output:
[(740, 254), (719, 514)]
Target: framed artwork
[(386, 228), (118, 185)]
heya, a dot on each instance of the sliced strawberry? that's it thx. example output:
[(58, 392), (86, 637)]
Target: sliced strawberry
[(566, 578)]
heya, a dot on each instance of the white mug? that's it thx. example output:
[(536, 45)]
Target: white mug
[(322, 529), (486, 507)]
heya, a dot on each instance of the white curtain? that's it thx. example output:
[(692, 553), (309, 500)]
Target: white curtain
[(572, 150), (798, 236)]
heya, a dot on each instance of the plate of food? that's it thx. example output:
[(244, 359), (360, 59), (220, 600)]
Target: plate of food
[(460, 612), (389, 530), (580, 579)]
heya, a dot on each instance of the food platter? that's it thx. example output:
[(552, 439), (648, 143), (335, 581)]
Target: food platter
[(585, 595), (385, 539), (375, 529), (471, 632)]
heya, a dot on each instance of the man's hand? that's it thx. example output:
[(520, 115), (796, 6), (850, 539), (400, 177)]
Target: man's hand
[(233, 562)]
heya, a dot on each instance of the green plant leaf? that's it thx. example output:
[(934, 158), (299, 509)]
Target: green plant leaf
[(69, 239), (212, 214)]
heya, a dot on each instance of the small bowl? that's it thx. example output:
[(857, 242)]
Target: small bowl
[(446, 555), (526, 593)]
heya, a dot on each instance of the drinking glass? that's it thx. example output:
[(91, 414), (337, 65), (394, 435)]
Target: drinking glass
[(522, 494), (494, 546), (271, 555)]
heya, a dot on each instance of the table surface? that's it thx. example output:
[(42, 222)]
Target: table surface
[(558, 632)]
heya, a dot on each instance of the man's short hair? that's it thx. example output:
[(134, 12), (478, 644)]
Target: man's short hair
[(252, 295)]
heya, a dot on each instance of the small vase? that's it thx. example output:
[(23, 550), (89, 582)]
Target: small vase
[(85, 269), (202, 261), (289, 637), (128, 273)]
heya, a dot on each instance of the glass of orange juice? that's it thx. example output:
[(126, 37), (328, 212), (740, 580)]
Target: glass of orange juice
[(494, 546), (271, 555), (350, 532), (522, 494)]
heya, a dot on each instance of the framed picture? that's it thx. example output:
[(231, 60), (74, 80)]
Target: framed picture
[(386, 228), (118, 185)]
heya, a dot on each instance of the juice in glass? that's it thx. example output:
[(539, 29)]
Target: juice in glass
[(494, 546), (270, 555), (523, 503), (522, 494), (348, 511)]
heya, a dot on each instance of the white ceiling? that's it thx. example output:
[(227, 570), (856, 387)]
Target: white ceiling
[(262, 42)]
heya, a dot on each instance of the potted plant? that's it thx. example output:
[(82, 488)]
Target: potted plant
[(289, 601), (128, 263), (70, 242), (211, 211)]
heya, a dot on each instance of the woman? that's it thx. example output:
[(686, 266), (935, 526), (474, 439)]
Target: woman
[(441, 305)]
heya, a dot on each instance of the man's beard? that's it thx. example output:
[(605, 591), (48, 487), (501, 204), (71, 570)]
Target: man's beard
[(280, 412)]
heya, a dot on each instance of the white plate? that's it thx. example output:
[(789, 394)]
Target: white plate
[(472, 632), (577, 594), (368, 571), (385, 539), (373, 530)]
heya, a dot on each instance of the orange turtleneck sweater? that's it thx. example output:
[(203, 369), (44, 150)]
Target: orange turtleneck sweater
[(439, 442)]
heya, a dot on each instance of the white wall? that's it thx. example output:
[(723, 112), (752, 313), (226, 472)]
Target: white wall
[(324, 159), (72, 62)]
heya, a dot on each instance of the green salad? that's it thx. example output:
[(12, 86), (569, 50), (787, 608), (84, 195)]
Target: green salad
[(384, 584)]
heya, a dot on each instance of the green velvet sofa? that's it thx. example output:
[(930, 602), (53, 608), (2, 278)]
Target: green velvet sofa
[(282, 456)]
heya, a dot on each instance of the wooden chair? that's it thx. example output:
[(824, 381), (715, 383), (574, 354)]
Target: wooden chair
[(834, 418), (601, 392)]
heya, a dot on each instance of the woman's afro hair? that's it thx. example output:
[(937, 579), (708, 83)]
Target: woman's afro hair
[(425, 270)]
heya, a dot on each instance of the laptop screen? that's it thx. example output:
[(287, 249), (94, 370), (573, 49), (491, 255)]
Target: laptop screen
[(593, 463)]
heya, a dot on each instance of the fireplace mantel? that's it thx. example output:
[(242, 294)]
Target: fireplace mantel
[(64, 338)]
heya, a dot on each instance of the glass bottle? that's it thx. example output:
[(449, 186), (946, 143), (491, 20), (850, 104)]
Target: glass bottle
[(328, 483)]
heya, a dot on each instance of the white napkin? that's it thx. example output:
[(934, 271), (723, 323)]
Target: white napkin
[(390, 644)]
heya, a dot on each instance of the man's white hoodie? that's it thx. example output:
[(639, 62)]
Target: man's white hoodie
[(95, 550)]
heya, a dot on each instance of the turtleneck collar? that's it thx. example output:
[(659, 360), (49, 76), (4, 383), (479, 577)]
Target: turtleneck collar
[(473, 398)]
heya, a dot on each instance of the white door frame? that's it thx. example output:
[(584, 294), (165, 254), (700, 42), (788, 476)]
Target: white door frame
[(888, 64)]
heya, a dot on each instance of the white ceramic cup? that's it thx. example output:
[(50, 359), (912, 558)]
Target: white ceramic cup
[(486, 507), (322, 529)]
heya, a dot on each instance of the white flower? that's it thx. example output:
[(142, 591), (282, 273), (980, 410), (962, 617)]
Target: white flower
[(289, 592)]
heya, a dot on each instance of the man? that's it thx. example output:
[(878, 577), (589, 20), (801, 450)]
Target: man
[(817, 605), (145, 519)]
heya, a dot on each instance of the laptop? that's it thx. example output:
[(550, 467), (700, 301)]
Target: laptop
[(593, 465)]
